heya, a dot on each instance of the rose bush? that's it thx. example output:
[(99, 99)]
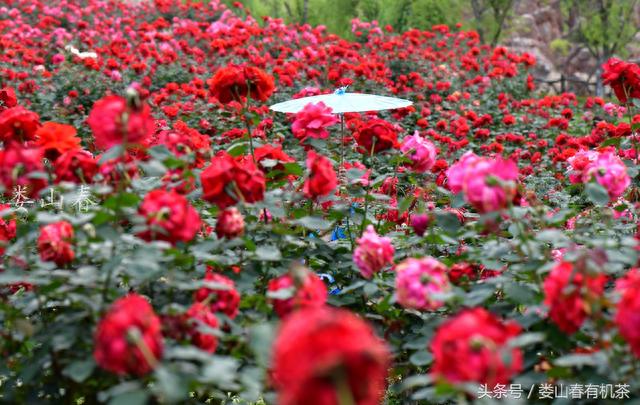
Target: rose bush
[(166, 238)]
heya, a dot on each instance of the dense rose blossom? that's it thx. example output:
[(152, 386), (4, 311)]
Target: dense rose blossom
[(76, 166), (54, 243), (611, 173), (373, 252), (569, 292), (114, 122), (462, 272), (268, 152), (421, 152), (580, 163), (319, 349), (322, 178), (376, 135), (312, 122), (420, 223), (417, 280), (623, 77), (473, 346), (183, 141), (228, 179), (18, 124), (127, 336), (169, 217), (56, 139), (230, 223), (8, 98), (17, 164), (232, 83), (7, 226), (628, 309), (488, 184), (308, 291), (222, 297), (199, 315)]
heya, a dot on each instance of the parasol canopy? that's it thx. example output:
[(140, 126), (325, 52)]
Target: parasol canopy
[(342, 102)]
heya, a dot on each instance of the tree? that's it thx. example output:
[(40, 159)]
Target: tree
[(490, 17), (604, 27)]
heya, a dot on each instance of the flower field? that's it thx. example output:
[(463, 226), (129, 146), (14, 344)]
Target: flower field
[(167, 238)]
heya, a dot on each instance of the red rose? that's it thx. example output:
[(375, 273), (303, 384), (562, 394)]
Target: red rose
[(8, 98), (232, 83), (57, 139), (76, 166), (227, 178), (628, 314), (54, 243), (473, 347), (170, 217), (308, 290), (267, 153), (200, 315), (223, 297), (230, 223), (112, 169), (623, 77), (19, 124), (322, 178), (7, 226), (312, 122), (568, 293), (321, 351), (183, 141), (113, 121), (128, 339), (17, 163), (377, 134)]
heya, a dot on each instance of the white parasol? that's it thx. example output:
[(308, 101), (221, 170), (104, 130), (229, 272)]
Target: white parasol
[(342, 102)]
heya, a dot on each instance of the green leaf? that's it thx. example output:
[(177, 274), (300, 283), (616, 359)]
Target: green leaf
[(421, 358), (519, 293), (576, 360), (111, 154), (611, 141), (597, 194), (314, 223), (137, 397), (170, 386), (527, 339), (268, 253), (79, 371), (447, 221)]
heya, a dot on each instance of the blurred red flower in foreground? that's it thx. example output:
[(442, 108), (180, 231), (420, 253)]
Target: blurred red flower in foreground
[(376, 135), (170, 217), (321, 353), (628, 314), (18, 124), (128, 339), (227, 179), (623, 77), (322, 178), (308, 290), (473, 347), (232, 83), (114, 120), (76, 166), (200, 315), (569, 292), (312, 122), (54, 243), (57, 139), (222, 297), (17, 164)]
